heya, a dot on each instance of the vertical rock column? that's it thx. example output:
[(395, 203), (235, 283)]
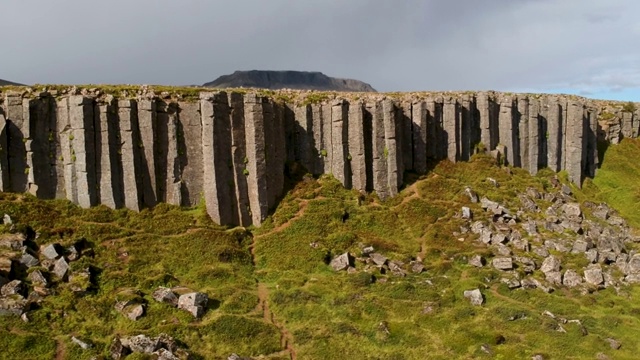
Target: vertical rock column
[(419, 135), (305, 137), (16, 149), (256, 162), (393, 150), (108, 166), (554, 133), (357, 147), (4, 162), (39, 141), (327, 137), (340, 156), (506, 120), (67, 153), (484, 112), (172, 159), (379, 155), (434, 127), (130, 154), (239, 158), (189, 137), (274, 147), (451, 127), (533, 141), (591, 135), (574, 141), (405, 117), (82, 145), (216, 157), (635, 127), (319, 151), (627, 124), (147, 125)]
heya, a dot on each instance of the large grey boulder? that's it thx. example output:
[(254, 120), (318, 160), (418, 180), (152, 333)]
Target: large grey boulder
[(554, 277), (50, 251), (466, 213), (29, 260), (503, 263), (15, 287), (61, 268), (476, 261), (341, 262), (571, 279), (551, 263), (378, 259), (572, 209), (601, 212), (195, 303), (37, 278), (474, 296), (165, 295), (12, 241), (141, 344), (593, 275)]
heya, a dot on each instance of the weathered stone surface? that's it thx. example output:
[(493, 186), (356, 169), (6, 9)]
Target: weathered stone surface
[(84, 345), (378, 259), (466, 213), (165, 295), (50, 251), (451, 126), (61, 268), (475, 297), (141, 344), (15, 287), (195, 303), (342, 262), (357, 146), (476, 261), (340, 142), (12, 241), (593, 275), (573, 145), (571, 279), (13, 305), (551, 263), (503, 263), (37, 278), (256, 162), (419, 136), (29, 260)]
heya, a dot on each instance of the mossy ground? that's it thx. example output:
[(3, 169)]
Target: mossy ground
[(323, 314)]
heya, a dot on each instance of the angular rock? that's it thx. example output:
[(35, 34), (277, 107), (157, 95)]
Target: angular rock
[(135, 312), (601, 212), (61, 268), (571, 279), (29, 260), (473, 197), (528, 265), (37, 278), (503, 263), (117, 350), (572, 209), (613, 343), (551, 263), (165, 295), (474, 296), (341, 262), (13, 305), (417, 267), (581, 246), (466, 213), (616, 221), (378, 259), (12, 241), (476, 261), (554, 277), (592, 255), (82, 344), (593, 275), (141, 344), (15, 287), (195, 303), (50, 251)]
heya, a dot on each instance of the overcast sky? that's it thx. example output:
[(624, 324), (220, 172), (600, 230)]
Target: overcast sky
[(588, 47)]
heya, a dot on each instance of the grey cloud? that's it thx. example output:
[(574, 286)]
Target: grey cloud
[(394, 45)]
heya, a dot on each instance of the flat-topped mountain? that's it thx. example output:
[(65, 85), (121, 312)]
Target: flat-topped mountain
[(301, 80), (5, 83)]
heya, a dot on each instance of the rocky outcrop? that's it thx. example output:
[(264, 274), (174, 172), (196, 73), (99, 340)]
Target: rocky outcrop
[(231, 149), (301, 80)]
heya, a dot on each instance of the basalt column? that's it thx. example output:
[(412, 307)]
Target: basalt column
[(419, 136), (404, 116), (16, 149), (189, 137), (340, 142), (451, 127), (82, 151), (4, 163), (574, 141), (327, 138), (379, 153), (392, 150), (357, 146), (307, 152), (554, 133), (434, 127), (508, 130), (485, 111), (533, 139), (467, 127), (130, 154), (168, 167), (320, 153), (274, 150), (216, 156), (591, 140), (256, 162), (147, 124), (108, 159), (239, 158), (39, 134)]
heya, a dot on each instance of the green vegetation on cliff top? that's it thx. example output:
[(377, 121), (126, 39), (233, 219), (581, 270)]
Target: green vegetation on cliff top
[(310, 309)]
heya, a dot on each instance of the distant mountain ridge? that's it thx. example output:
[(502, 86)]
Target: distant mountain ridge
[(299, 80), (5, 83)]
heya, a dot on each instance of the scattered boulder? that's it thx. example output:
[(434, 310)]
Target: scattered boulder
[(378, 259), (135, 312), (341, 262), (141, 344), (601, 212), (417, 267), (474, 296), (566, 190), (473, 197), (572, 209), (50, 251), (551, 263), (165, 295), (37, 278), (554, 277), (476, 261), (571, 279), (29, 260), (593, 275), (613, 343), (61, 268), (195, 303), (13, 305), (12, 241), (503, 263), (15, 287), (117, 350), (466, 213), (235, 356)]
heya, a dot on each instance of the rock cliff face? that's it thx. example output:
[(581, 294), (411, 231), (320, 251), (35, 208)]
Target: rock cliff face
[(231, 149), (301, 80)]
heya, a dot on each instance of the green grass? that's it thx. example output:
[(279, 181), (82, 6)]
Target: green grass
[(321, 313)]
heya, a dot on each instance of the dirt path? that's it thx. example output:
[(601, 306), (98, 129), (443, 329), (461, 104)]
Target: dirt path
[(61, 350), (286, 339), (285, 225)]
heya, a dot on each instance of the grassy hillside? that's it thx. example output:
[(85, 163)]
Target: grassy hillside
[(274, 295)]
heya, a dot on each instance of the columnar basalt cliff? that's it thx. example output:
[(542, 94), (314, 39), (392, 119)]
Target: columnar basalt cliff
[(231, 149)]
